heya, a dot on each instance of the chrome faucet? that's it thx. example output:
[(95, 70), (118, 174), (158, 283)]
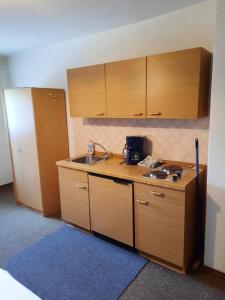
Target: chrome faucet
[(91, 149)]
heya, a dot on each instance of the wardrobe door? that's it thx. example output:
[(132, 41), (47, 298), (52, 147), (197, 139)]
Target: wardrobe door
[(19, 109), (52, 142)]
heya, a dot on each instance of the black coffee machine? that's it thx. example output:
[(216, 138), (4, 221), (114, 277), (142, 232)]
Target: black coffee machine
[(135, 149)]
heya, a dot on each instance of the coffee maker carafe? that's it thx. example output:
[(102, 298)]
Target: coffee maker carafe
[(135, 149)]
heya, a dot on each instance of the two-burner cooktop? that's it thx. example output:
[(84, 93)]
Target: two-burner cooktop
[(168, 172)]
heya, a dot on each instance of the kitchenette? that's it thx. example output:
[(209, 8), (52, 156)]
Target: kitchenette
[(138, 206), (150, 204), (134, 198)]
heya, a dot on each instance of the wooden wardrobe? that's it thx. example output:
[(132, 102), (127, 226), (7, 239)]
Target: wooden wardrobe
[(38, 136)]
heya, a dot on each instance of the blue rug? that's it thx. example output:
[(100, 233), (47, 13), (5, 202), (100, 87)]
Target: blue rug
[(69, 264)]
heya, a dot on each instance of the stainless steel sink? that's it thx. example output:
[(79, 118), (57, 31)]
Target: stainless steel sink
[(88, 159)]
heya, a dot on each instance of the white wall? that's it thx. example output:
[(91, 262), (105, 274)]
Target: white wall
[(46, 67), (215, 217), (5, 161)]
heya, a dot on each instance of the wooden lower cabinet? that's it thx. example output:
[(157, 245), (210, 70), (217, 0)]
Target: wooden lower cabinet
[(74, 198), (111, 208), (159, 222), (164, 223)]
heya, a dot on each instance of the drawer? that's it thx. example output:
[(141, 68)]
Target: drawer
[(160, 195), (73, 174), (159, 222)]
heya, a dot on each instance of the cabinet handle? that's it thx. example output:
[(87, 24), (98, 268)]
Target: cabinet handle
[(121, 181), (157, 193), (155, 113), (100, 114), (138, 114), (82, 187), (142, 202)]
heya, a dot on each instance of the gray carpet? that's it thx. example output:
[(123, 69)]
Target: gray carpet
[(20, 227), (155, 282)]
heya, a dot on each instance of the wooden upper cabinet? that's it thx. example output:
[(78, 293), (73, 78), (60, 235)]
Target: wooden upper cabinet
[(86, 87), (126, 88), (178, 84), (177, 87)]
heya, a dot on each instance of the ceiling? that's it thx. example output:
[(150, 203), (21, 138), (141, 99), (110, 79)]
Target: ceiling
[(27, 24)]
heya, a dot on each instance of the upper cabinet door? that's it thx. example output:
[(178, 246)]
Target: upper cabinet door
[(178, 84), (86, 87), (126, 88)]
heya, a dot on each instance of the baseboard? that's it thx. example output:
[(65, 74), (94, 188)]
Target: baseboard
[(28, 207), (163, 263), (214, 272)]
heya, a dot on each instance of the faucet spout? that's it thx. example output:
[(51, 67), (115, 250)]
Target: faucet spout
[(91, 149), (106, 153)]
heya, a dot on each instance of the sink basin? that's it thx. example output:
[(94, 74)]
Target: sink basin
[(89, 160)]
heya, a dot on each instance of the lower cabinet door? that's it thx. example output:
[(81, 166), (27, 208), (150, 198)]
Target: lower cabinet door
[(74, 197), (111, 208), (159, 222)]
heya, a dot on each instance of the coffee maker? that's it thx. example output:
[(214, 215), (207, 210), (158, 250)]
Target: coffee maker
[(135, 149)]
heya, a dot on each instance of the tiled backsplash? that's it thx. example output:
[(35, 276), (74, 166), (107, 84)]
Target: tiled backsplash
[(168, 139)]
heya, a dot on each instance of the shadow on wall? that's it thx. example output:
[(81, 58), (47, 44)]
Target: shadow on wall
[(171, 139), (212, 213), (202, 123), (148, 147)]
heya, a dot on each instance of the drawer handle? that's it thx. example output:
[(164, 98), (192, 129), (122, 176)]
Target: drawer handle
[(82, 187), (138, 114), (100, 114), (142, 202), (157, 193), (155, 114)]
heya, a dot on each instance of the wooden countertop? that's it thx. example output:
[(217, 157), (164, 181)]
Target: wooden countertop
[(112, 167)]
